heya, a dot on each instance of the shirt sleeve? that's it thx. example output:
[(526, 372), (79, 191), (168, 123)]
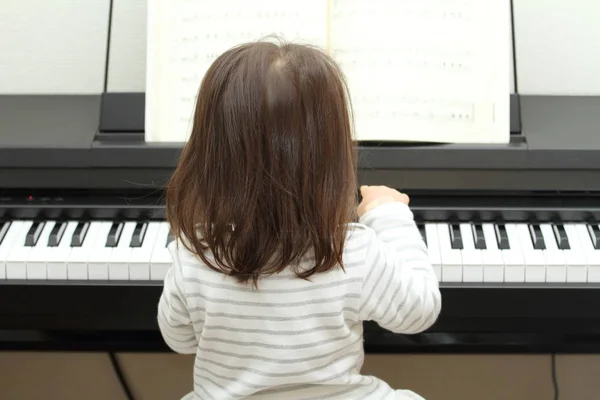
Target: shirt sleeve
[(400, 289), (174, 319)]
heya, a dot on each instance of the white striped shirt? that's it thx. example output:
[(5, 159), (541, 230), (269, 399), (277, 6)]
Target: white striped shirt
[(298, 339)]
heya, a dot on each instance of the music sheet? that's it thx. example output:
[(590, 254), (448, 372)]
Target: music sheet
[(424, 71), (186, 36)]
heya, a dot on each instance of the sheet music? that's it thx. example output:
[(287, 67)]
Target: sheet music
[(427, 70), (186, 36)]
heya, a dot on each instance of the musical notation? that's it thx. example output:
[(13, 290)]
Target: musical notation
[(432, 70)]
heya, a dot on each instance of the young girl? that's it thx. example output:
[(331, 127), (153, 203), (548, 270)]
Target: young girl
[(271, 280)]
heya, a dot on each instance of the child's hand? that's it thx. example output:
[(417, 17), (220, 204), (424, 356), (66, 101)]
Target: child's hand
[(374, 196)]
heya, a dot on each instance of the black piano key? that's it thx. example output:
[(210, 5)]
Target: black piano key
[(34, 234), (422, 231), (594, 235), (456, 241), (114, 235), (478, 237), (501, 237), (536, 237), (138, 234), (79, 234), (4, 225), (562, 240), (56, 234), (170, 238)]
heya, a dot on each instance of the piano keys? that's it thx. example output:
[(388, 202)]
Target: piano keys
[(104, 253), (460, 252), (553, 253)]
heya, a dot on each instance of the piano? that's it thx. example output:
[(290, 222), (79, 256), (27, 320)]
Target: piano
[(513, 230)]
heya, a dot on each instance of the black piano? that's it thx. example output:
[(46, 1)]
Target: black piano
[(513, 230)]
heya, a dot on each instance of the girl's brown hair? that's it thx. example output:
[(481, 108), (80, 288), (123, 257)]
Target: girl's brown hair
[(269, 171)]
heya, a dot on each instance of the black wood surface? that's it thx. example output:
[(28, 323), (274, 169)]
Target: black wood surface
[(120, 315), (428, 206)]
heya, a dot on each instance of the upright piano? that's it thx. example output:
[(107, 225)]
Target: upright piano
[(512, 230)]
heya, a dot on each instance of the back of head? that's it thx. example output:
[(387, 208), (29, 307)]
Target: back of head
[(269, 171)]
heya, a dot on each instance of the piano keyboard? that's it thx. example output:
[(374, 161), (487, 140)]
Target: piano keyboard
[(461, 252), (514, 253), (93, 250)]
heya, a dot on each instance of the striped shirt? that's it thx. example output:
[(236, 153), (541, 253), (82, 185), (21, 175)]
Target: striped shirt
[(295, 339)]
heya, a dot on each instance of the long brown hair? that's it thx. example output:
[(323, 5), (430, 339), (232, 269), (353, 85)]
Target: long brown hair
[(269, 171)]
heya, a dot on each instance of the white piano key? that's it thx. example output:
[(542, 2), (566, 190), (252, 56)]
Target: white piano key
[(100, 255), (591, 254), (77, 266), (161, 257), (471, 257), (118, 266), (433, 248), (535, 265), (7, 244), (575, 257), (491, 257), (58, 256), (451, 258), (514, 260), (17, 258), (141, 257), (36, 260), (556, 264)]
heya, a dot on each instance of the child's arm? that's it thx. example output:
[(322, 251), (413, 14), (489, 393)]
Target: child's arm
[(400, 291), (173, 315)]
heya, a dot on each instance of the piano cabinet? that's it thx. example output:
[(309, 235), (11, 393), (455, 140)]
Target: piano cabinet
[(512, 230)]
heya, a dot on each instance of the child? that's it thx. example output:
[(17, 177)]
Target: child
[(271, 280)]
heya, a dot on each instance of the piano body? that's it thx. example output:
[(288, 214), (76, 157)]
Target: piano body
[(513, 230)]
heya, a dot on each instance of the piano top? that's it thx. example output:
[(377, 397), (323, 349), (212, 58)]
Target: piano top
[(53, 141)]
